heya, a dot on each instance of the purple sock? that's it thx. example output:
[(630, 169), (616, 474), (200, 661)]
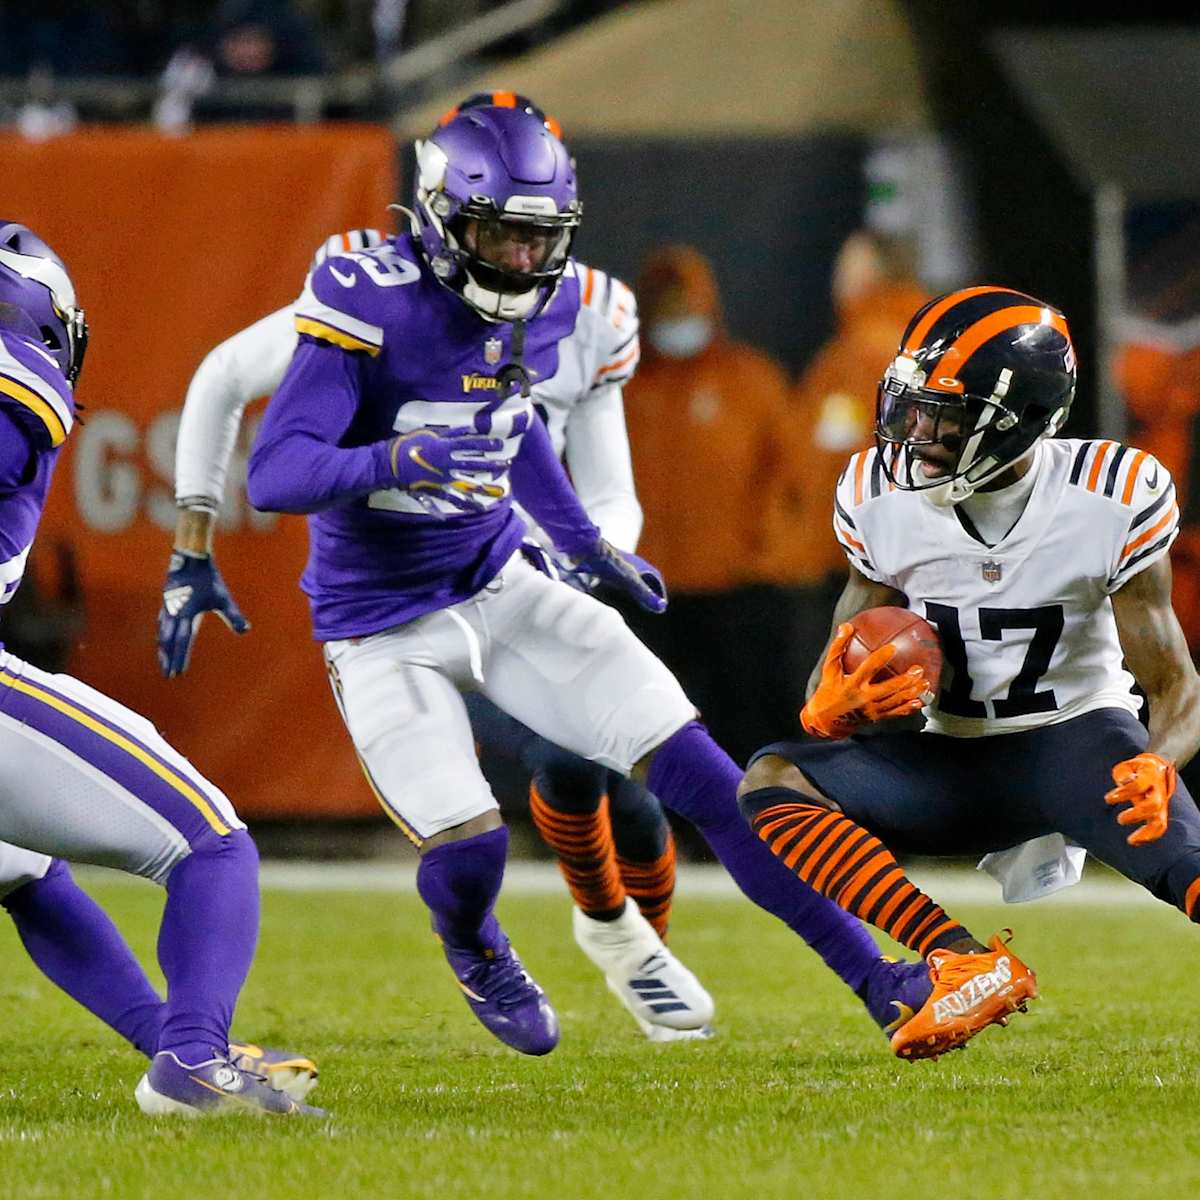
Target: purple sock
[(70, 938), (206, 943), (460, 881), (695, 778)]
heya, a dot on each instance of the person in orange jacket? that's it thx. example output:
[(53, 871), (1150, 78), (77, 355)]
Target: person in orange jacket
[(707, 418), (832, 413)]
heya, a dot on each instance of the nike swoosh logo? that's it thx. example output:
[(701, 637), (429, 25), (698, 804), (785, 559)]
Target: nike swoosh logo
[(1152, 482), (906, 1015), (347, 281)]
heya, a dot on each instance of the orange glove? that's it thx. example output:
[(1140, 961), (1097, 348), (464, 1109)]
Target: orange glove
[(1146, 783), (843, 702)]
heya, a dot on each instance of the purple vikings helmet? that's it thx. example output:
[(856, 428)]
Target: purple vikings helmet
[(489, 179), (35, 283)]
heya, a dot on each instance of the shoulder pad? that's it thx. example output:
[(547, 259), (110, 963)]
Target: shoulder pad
[(347, 243), (614, 310), (342, 304), (31, 381), (863, 479), (1109, 469), (1148, 492)]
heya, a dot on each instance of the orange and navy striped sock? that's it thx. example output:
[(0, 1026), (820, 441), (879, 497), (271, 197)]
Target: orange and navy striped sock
[(841, 860), (586, 855), (652, 885)]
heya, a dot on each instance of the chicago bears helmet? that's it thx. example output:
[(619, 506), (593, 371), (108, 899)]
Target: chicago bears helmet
[(981, 374), (492, 177), (34, 281), (502, 100)]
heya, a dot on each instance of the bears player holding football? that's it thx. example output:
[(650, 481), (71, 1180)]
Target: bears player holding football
[(84, 778), (1043, 564), (404, 427), (614, 844)]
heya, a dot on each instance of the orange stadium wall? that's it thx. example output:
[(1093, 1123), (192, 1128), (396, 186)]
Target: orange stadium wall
[(174, 244)]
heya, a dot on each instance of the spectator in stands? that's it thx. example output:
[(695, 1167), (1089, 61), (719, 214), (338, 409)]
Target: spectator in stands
[(264, 37), (1159, 377), (832, 413), (707, 417)]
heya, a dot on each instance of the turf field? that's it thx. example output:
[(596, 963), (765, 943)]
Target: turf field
[(1093, 1094)]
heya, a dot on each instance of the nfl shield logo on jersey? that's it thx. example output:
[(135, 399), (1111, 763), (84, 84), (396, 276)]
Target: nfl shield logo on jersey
[(492, 349), (991, 571)]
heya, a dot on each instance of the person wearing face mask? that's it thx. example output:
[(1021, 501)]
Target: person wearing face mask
[(705, 406), (874, 288)]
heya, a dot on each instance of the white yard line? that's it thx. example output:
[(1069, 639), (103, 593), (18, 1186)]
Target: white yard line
[(947, 886)]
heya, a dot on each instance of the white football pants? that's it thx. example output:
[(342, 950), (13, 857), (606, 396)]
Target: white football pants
[(557, 660)]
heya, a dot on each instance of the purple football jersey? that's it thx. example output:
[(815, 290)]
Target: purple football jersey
[(37, 400), (386, 349)]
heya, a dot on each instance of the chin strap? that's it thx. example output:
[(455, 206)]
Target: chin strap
[(513, 378)]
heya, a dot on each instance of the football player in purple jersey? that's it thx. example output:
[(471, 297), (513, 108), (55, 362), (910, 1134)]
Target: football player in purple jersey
[(404, 428), (84, 778), (614, 845)]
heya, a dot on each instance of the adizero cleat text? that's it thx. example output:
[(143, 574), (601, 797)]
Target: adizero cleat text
[(644, 975), (174, 1088), (970, 992), (504, 997), (284, 1071)]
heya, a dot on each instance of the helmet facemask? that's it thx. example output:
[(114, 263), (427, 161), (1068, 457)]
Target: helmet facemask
[(512, 261)]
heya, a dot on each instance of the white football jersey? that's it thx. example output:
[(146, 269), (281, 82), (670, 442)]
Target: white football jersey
[(1026, 625), (602, 350)]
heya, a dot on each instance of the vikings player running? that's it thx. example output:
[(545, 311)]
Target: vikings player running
[(404, 427), (614, 845), (83, 778)]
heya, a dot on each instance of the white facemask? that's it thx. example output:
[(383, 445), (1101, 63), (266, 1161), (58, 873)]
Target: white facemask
[(682, 337)]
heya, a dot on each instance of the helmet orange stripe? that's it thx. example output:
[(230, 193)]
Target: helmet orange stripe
[(986, 328), (943, 306), (504, 99)]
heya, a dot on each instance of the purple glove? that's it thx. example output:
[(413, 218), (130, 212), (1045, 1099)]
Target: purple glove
[(427, 460), (626, 572)]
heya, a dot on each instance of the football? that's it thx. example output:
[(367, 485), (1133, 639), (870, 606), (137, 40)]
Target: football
[(915, 639)]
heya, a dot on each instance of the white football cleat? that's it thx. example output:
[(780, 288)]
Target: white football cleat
[(667, 1001)]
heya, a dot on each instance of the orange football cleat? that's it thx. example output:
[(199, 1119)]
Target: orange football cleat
[(970, 992)]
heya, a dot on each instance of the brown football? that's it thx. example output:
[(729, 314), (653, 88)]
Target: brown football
[(915, 639)]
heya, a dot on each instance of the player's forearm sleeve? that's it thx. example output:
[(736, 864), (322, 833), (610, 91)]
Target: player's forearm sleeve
[(296, 464), (242, 368), (541, 487), (601, 469)]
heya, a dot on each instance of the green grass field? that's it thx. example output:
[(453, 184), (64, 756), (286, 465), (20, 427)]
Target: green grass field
[(1093, 1094)]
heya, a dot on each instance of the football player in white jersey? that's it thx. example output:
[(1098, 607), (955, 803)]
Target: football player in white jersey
[(1044, 566), (612, 838)]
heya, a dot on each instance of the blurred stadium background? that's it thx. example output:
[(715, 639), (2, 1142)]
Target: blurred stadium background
[(186, 158)]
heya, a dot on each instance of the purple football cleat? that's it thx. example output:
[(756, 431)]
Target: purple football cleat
[(284, 1071), (173, 1088), (502, 995), (895, 992)]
